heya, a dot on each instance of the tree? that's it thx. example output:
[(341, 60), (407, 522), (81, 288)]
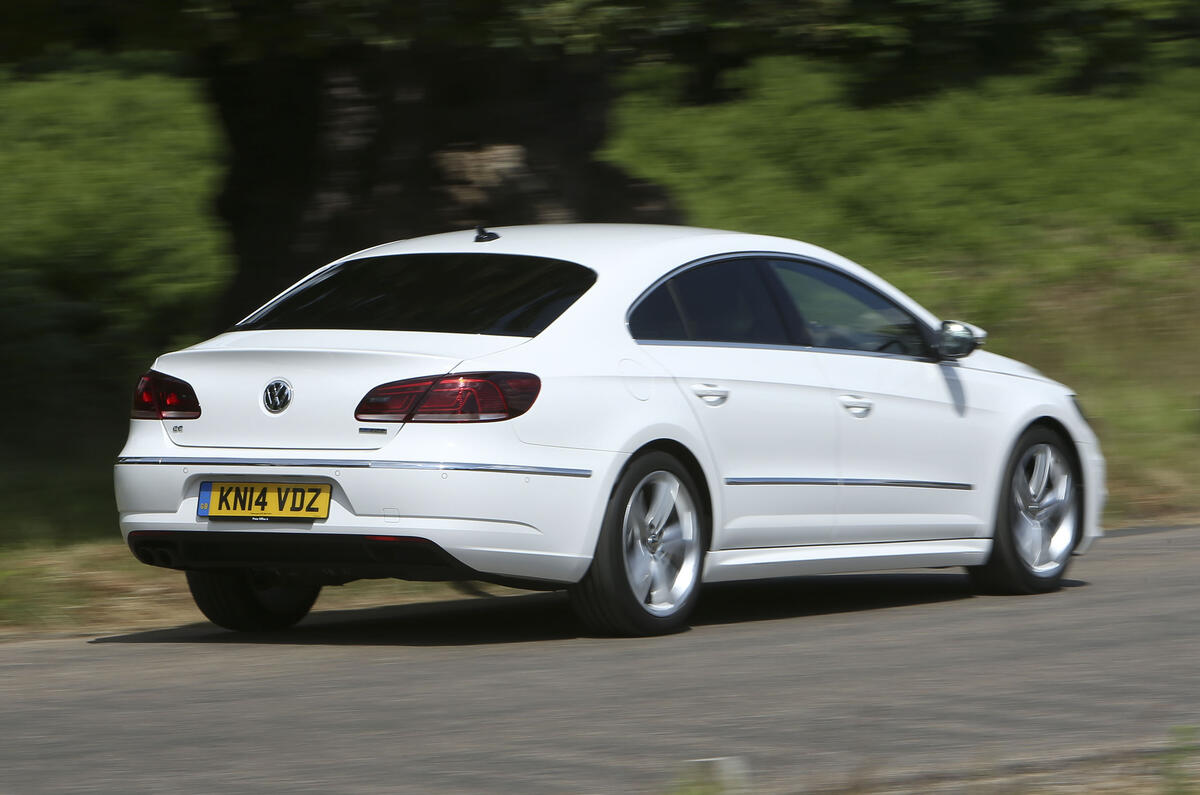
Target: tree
[(350, 122)]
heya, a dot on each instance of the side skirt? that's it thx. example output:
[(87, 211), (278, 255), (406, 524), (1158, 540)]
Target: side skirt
[(725, 565)]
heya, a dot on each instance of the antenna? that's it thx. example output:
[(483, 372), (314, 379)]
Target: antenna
[(484, 236)]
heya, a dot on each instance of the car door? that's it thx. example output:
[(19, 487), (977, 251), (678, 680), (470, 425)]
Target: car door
[(763, 405), (913, 436)]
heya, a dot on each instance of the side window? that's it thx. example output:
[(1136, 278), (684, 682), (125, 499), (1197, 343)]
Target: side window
[(840, 312), (728, 301), (657, 317)]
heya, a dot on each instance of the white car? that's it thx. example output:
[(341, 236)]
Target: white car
[(622, 411)]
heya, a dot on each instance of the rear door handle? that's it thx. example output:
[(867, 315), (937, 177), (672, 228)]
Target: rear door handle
[(856, 405), (711, 394)]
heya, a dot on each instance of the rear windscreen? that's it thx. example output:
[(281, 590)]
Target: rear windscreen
[(503, 294)]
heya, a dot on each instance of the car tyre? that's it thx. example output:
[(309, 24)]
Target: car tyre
[(234, 600), (1038, 519), (645, 575)]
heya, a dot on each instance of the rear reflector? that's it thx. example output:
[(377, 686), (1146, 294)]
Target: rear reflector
[(161, 397), (464, 397)]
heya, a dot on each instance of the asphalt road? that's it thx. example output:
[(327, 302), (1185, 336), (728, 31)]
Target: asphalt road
[(814, 683)]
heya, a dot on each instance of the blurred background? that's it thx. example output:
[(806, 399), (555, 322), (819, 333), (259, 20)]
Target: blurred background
[(1032, 166)]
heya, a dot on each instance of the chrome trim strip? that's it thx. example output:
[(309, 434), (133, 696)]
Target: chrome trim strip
[(707, 344), (911, 484), (517, 469), (457, 466), (217, 461), (782, 481), (774, 347)]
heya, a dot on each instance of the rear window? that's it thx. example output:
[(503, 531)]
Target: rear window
[(725, 301), (502, 294)]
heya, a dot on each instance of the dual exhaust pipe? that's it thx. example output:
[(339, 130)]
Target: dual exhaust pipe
[(156, 555)]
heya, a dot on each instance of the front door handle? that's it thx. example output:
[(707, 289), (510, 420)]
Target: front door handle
[(856, 405), (711, 394)]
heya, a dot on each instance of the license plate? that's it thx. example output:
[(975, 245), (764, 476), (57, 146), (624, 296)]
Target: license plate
[(264, 500)]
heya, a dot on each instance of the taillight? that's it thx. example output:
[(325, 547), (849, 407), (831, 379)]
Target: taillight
[(393, 402), (466, 397), (161, 397)]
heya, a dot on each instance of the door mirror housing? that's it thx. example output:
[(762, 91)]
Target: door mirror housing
[(957, 339)]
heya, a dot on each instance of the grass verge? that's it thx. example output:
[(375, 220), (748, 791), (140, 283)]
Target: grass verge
[(98, 587)]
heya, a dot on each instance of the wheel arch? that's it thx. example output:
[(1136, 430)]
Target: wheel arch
[(688, 459), (1072, 444)]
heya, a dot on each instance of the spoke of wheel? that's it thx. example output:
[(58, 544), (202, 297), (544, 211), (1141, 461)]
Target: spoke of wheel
[(1041, 473), (641, 567), (1047, 536), (633, 537), (637, 518), (660, 576), (1050, 508), (661, 503), (1029, 538), (1058, 468), (1021, 494), (672, 542), (1064, 531)]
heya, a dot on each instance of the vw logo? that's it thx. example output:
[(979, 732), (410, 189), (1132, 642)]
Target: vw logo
[(277, 395)]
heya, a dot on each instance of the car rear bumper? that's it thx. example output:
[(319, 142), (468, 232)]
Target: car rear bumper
[(521, 521), (329, 558)]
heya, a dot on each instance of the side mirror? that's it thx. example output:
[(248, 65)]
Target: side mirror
[(958, 339)]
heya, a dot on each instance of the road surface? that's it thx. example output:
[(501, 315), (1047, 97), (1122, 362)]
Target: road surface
[(813, 683)]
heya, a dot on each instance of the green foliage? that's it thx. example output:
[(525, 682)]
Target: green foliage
[(903, 47), (106, 238), (109, 254), (896, 48), (1067, 225)]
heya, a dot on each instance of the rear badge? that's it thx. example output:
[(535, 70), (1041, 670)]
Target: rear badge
[(277, 396)]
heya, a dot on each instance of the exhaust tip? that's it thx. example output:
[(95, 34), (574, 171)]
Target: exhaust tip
[(153, 555)]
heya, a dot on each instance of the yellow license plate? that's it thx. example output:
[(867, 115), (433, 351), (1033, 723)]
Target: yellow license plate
[(264, 500)]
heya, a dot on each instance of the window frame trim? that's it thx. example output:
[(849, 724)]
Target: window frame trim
[(788, 315)]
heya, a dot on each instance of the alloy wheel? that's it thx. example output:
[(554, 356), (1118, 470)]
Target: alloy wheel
[(661, 543), (1046, 518)]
